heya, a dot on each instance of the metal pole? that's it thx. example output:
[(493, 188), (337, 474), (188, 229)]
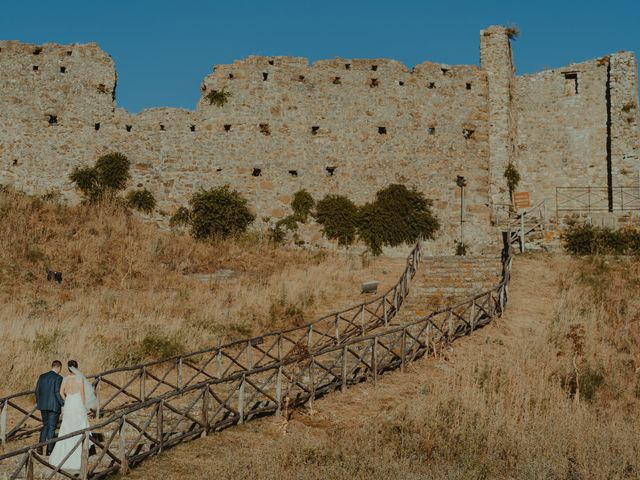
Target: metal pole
[(522, 231)]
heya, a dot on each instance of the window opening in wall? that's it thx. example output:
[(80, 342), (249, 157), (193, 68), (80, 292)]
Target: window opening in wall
[(35, 68), (192, 127), (96, 126), (331, 170), (431, 130), (139, 185), (69, 53), (203, 88), (219, 169), (264, 129), (127, 128), (468, 86), (382, 130), (161, 128), (231, 76), (63, 69), (314, 130), (256, 172), (347, 66), (227, 127), (53, 120), (293, 173), (431, 85), (444, 71), (265, 75), (401, 83), (373, 82), (374, 67), (301, 78), (467, 133), (37, 51), (270, 62), (15, 161), (337, 81), (571, 83)]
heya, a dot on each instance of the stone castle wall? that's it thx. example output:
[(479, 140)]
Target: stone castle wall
[(337, 126)]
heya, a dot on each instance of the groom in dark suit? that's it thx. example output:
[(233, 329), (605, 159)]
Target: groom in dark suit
[(49, 402)]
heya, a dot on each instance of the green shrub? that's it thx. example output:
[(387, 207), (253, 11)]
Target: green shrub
[(219, 212), (218, 97), (142, 200), (397, 216), (181, 218), (513, 32), (108, 176), (156, 345), (512, 176), (586, 239), (339, 218), (461, 249), (302, 205)]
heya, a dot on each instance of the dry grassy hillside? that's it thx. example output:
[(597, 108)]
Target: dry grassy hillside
[(133, 292), (550, 391)]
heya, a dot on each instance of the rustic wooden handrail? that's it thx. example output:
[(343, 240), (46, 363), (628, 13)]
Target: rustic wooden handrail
[(19, 417), (177, 416)]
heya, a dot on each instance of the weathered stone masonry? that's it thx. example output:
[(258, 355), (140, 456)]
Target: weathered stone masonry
[(337, 126)]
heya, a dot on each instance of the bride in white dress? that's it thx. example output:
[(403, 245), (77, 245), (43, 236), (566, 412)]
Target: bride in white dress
[(78, 396)]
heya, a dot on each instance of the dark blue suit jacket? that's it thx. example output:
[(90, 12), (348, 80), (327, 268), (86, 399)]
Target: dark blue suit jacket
[(48, 392)]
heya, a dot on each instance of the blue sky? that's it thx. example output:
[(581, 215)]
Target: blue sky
[(164, 49)]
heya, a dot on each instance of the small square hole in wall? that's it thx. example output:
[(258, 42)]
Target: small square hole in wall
[(63, 69), (265, 76), (257, 172), (192, 127), (314, 130), (53, 120), (139, 185), (219, 169), (330, 171), (337, 81), (431, 130), (161, 128), (227, 127), (401, 83), (69, 53), (467, 133), (96, 126), (127, 128), (382, 130), (374, 67), (264, 129), (373, 82), (15, 161), (301, 78), (37, 51), (35, 68), (468, 86), (431, 85), (570, 83), (444, 71), (271, 62), (293, 173), (231, 76), (203, 88), (347, 66)]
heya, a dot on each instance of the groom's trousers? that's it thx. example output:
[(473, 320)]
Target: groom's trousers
[(49, 424)]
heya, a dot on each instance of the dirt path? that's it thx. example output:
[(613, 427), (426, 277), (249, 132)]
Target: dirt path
[(533, 278)]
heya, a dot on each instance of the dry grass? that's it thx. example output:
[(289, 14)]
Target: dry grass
[(130, 290), (501, 405)]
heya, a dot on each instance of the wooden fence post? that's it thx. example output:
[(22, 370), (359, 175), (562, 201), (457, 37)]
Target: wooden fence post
[(3, 422), (395, 299), (374, 359), (124, 462), (310, 338), (279, 391), (219, 363), (241, 402), (29, 466), (97, 389), (143, 379), (344, 368), (473, 315), (403, 348), (362, 319), (205, 410), (84, 459), (160, 425), (249, 356), (450, 325), (337, 328), (384, 311), (179, 373), (313, 382)]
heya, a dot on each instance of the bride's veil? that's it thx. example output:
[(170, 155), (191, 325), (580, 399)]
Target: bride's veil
[(91, 402)]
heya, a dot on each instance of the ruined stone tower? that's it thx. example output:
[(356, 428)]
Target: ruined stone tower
[(348, 126)]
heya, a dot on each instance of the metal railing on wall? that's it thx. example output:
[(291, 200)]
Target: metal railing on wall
[(127, 438), (596, 199)]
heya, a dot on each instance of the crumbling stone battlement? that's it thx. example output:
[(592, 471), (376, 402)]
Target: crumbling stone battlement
[(348, 126)]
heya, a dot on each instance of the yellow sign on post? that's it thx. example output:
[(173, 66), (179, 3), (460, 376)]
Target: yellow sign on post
[(521, 200)]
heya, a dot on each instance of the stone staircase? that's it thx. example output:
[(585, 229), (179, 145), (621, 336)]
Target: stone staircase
[(445, 281)]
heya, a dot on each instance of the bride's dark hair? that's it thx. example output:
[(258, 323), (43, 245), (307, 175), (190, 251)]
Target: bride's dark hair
[(72, 364)]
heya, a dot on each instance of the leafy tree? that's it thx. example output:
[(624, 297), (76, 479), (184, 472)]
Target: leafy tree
[(142, 200), (219, 212), (302, 205), (108, 176), (339, 218)]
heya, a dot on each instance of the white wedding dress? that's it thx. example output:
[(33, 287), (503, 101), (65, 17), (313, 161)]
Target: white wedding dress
[(74, 418)]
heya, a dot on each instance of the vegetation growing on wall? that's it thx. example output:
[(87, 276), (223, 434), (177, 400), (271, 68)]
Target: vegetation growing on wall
[(512, 176), (218, 97), (513, 32), (217, 212), (581, 240)]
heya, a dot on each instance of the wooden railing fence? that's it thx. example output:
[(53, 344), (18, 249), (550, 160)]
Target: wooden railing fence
[(123, 387), (145, 429)]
